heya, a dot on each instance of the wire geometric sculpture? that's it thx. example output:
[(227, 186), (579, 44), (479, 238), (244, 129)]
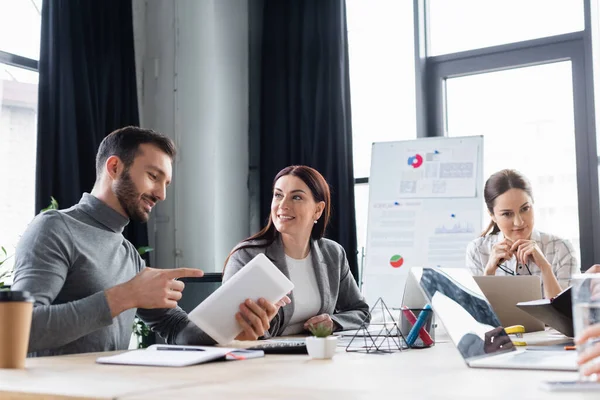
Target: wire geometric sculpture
[(378, 337)]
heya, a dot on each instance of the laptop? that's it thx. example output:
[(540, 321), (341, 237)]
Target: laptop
[(504, 292), (474, 327)]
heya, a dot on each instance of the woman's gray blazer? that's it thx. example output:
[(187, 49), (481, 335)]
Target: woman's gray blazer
[(340, 297)]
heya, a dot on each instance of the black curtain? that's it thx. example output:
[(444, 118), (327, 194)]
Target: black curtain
[(305, 104), (87, 89)]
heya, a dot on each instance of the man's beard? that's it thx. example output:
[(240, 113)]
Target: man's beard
[(130, 198)]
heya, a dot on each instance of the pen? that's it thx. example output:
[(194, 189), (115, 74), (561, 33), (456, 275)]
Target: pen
[(235, 356), (414, 331), (241, 354), (178, 348), (423, 334)]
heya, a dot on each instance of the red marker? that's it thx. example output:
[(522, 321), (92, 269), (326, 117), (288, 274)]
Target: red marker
[(423, 334)]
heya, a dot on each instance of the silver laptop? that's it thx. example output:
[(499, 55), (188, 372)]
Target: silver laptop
[(504, 292), (474, 327)]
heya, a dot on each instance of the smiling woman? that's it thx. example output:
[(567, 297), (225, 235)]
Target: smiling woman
[(511, 246), (325, 293)]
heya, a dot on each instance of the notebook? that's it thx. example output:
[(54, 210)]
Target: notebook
[(474, 327), (555, 312), (164, 355)]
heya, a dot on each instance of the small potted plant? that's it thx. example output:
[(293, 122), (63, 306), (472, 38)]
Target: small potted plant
[(321, 345), (4, 272), (142, 335)]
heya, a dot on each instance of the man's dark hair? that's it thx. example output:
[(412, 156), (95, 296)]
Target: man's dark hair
[(125, 142)]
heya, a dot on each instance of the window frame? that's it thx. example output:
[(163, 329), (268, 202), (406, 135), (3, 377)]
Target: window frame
[(575, 47), (431, 73), (19, 61)]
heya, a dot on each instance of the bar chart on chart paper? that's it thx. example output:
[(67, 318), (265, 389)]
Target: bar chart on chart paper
[(425, 206), (457, 227), (448, 234)]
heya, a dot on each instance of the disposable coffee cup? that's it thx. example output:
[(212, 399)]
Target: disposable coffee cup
[(16, 308)]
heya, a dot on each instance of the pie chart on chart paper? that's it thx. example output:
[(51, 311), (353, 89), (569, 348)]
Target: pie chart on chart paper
[(396, 261)]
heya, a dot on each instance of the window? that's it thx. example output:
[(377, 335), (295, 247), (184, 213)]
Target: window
[(526, 118), (533, 89), (19, 51), (382, 82), (361, 197), (382, 75), (20, 22), (527, 84), (460, 25)]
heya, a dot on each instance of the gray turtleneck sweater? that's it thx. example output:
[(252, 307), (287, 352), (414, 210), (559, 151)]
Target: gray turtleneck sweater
[(66, 259)]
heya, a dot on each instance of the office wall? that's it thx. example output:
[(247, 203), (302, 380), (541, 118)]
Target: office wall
[(193, 78)]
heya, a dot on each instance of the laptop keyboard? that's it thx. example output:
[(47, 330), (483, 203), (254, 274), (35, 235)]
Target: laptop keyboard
[(281, 347)]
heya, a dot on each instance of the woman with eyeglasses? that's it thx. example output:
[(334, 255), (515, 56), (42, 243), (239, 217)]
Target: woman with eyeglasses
[(511, 246)]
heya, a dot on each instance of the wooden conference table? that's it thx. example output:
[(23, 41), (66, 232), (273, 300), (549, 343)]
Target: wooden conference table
[(435, 373)]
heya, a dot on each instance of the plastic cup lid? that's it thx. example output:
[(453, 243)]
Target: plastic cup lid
[(15, 295)]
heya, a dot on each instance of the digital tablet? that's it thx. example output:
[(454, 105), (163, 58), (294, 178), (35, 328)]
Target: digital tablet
[(259, 278)]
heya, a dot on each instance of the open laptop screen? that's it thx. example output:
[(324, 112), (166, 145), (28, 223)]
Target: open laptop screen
[(467, 316)]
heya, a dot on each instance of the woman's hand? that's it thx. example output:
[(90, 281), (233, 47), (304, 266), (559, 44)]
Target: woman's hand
[(285, 300), (254, 318), (594, 283), (594, 269), (526, 249), (495, 340), (323, 319), (501, 252), (529, 249), (592, 352)]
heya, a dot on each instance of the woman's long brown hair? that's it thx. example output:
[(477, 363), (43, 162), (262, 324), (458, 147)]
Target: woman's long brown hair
[(498, 184), (320, 191)]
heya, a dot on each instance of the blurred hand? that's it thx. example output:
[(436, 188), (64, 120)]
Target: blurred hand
[(323, 319), (496, 340), (595, 283), (591, 332), (151, 288), (594, 269), (501, 252)]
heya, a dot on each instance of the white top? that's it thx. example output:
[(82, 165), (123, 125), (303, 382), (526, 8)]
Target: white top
[(307, 299), (559, 253)]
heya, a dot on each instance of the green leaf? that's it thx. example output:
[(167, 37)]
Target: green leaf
[(53, 205), (144, 249), (3, 261), (320, 330), (4, 250), (141, 330)]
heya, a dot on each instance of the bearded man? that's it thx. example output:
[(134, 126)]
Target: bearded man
[(88, 281)]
